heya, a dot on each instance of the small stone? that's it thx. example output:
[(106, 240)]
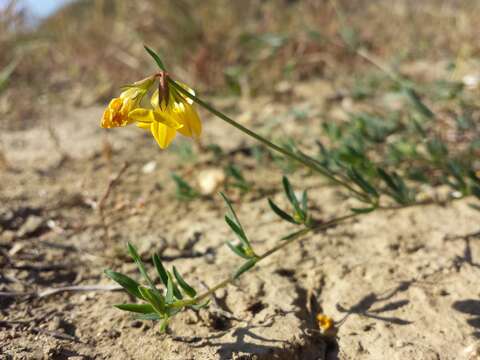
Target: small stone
[(29, 227), (149, 167), (209, 180)]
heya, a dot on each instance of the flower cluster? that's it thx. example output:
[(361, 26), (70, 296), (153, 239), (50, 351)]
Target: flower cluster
[(170, 110)]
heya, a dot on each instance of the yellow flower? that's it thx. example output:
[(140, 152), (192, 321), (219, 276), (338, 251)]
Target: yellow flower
[(116, 114), (162, 126), (325, 323), (171, 111), (181, 109)]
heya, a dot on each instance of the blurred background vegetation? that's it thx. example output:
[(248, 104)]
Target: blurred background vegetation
[(83, 52)]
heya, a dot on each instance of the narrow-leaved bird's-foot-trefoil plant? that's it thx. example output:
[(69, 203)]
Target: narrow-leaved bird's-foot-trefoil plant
[(376, 185)]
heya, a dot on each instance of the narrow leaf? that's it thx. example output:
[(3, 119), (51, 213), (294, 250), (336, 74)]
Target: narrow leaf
[(417, 102), (290, 193), (163, 325), (152, 316), (356, 177), (232, 213), (136, 308), (305, 202), (162, 273), (200, 306), (281, 213), (236, 229), (154, 298), (387, 178), (155, 57), (130, 285), (183, 284), (245, 267), (134, 255), (363, 210), (172, 290), (238, 249)]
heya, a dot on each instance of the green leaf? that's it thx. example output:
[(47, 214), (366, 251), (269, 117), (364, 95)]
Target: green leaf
[(245, 267), (290, 194), (163, 325), (183, 284), (169, 297), (134, 255), (356, 177), (231, 213), (236, 229), (155, 57), (152, 316), (136, 308), (154, 298), (200, 306), (282, 214), (305, 202), (387, 178), (184, 190), (238, 249), (417, 102), (130, 285), (162, 273), (363, 210), (172, 290)]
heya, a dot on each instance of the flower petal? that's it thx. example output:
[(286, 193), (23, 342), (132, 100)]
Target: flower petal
[(188, 117), (164, 118), (163, 134), (189, 89), (142, 115)]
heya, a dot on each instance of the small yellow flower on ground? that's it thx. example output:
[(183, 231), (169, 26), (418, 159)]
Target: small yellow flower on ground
[(326, 324)]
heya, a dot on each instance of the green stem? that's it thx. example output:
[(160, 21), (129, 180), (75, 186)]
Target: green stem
[(303, 160), (298, 235)]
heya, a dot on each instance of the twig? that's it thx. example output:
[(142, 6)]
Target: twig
[(52, 291)]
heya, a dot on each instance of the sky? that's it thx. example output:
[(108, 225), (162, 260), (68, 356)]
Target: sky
[(39, 8)]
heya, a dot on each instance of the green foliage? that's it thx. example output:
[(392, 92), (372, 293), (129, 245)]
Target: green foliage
[(155, 57), (157, 305), (184, 190), (300, 214), (236, 179)]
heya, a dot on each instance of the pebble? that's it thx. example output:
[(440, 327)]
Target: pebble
[(149, 167), (209, 180), (32, 224)]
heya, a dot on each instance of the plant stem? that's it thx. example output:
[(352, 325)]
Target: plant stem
[(297, 236), (303, 160)]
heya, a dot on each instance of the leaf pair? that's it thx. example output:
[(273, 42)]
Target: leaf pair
[(244, 248), (396, 187), (300, 207)]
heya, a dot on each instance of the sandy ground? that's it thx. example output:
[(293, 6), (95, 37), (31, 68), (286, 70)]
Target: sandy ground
[(399, 284)]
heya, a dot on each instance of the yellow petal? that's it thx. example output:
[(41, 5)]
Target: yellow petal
[(143, 125), (188, 117), (164, 118), (142, 115), (154, 99), (189, 89), (163, 134)]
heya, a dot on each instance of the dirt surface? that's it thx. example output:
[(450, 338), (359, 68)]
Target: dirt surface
[(399, 284)]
